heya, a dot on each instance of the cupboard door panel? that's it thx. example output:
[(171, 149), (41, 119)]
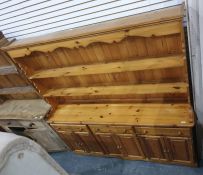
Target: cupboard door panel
[(131, 146), (154, 147), (181, 149), (108, 143), (90, 142), (71, 140)]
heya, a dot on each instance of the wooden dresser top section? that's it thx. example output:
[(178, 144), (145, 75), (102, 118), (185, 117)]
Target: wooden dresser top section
[(128, 71)]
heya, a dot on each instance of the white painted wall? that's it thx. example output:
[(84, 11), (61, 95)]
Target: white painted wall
[(28, 18), (195, 32)]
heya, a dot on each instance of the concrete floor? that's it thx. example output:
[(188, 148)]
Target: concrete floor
[(89, 165)]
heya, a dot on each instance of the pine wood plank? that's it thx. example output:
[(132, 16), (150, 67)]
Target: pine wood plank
[(117, 90), (6, 70), (17, 90), (122, 66), (129, 114)]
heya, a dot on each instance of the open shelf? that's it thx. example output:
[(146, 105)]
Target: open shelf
[(120, 90), (113, 67)]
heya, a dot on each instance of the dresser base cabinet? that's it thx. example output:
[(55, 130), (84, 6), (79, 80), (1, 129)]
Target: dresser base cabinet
[(78, 138), (129, 142)]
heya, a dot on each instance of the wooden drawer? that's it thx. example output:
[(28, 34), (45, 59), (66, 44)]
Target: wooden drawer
[(111, 129), (177, 132), (70, 128)]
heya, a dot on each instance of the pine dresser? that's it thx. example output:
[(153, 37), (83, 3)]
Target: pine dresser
[(118, 88)]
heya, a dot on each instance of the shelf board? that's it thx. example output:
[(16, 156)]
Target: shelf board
[(120, 90), (113, 67)]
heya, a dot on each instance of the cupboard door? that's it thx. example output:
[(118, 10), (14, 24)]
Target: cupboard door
[(90, 142), (107, 140), (130, 146), (72, 141), (154, 147), (180, 149)]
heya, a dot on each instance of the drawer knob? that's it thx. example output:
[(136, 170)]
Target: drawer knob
[(118, 147), (145, 131), (166, 151), (31, 125), (179, 133)]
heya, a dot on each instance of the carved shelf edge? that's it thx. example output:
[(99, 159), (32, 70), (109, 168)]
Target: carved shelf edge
[(160, 29)]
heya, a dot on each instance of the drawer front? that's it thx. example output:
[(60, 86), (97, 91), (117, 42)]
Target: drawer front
[(34, 124), (22, 123), (10, 123), (177, 132), (156, 131), (111, 129), (70, 128)]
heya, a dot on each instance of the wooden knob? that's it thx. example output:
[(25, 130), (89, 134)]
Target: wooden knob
[(31, 124), (145, 131), (118, 146), (179, 133)]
